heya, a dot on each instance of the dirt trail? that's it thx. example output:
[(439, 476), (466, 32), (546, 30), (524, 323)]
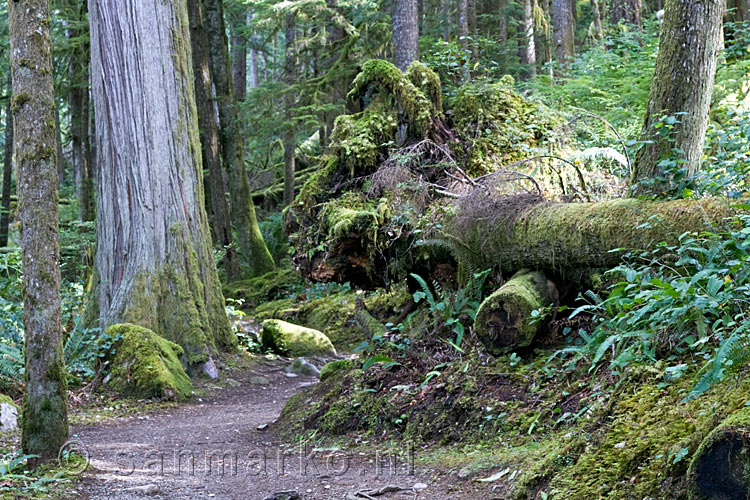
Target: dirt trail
[(149, 456)]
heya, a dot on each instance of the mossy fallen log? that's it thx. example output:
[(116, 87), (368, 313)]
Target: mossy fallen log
[(564, 237), (720, 468), (504, 321)]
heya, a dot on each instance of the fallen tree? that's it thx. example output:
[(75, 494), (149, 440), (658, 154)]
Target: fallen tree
[(719, 468), (505, 322), (525, 232)]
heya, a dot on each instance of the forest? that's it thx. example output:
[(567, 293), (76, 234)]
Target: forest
[(375, 249)]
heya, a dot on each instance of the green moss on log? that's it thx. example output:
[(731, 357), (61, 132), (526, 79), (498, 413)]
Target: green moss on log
[(268, 287), (294, 340), (570, 236), (146, 365), (504, 321)]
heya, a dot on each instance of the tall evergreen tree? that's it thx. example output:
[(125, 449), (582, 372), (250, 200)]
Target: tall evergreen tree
[(154, 258), (44, 428), (254, 252)]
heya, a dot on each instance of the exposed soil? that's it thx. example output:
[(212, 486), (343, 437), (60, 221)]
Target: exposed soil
[(138, 456)]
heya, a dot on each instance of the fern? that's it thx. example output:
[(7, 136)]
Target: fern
[(11, 362), (732, 353)]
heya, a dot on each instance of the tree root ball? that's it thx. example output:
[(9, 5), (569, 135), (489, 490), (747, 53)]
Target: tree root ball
[(504, 321)]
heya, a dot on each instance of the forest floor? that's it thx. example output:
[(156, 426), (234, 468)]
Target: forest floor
[(236, 453)]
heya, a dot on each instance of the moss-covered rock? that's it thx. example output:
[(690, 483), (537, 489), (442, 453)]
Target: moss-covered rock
[(145, 365), (294, 340)]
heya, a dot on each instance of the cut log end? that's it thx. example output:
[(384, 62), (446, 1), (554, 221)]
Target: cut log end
[(504, 321), (720, 469)]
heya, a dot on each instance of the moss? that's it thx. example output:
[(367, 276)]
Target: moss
[(504, 320), (335, 367), (8, 400), (145, 365), (294, 340), (427, 81), (268, 287), (499, 125)]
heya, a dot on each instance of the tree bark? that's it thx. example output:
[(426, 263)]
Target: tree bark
[(210, 144), (7, 170), (59, 159), (628, 11), (290, 132), (564, 31), (44, 427), (254, 76), (471, 7), (503, 22), (254, 253), (682, 86), (405, 33), (154, 258), (239, 54), (504, 321), (527, 50), (463, 25)]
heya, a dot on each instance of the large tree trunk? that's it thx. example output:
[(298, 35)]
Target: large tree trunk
[(254, 253), (44, 427), (628, 11), (527, 50), (59, 159), (682, 87), (7, 170), (405, 33), (154, 258), (564, 31), (210, 144), (290, 131)]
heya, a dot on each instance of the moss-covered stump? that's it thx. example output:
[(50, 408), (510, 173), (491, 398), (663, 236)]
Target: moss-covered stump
[(720, 469), (517, 234), (504, 321), (294, 340), (146, 365)]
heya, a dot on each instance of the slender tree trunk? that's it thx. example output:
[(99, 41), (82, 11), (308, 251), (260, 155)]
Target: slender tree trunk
[(471, 8), (527, 50), (503, 22), (254, 253), (79, 116), (598, 34), (564, 31), (445, 9), (253, 52), (340, 84), (154, 258), (7, 170), (682, 86), (290, 70), (210, 143), (628, 11), (405, 33), (44, 427), (463, 24)]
